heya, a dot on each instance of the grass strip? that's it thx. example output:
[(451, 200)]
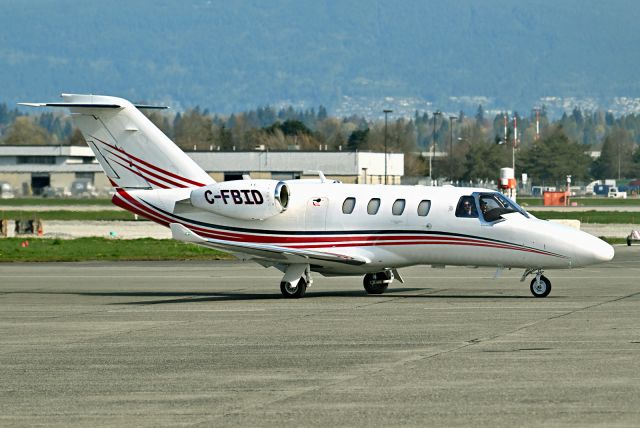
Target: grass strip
[(68, 215), (600, 217), (102, 249), (54, 201), (613, 241)]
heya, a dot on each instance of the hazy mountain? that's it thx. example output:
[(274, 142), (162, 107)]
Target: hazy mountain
[(233, 55)]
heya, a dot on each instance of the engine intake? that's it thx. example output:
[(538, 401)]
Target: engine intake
[(243, 199)]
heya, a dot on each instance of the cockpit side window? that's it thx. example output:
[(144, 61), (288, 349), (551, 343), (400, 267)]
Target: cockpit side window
[(493, 205), (467, 207)]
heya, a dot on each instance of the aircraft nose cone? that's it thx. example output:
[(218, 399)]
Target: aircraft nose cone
[(605, 253), (593, 250)]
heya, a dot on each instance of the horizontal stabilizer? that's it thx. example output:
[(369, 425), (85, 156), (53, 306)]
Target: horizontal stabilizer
[(269, 252), (85, 105), (91, 105)]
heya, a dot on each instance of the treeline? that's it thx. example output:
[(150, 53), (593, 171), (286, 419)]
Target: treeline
[(480, 147)]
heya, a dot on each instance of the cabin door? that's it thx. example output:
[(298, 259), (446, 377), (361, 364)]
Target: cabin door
[(315, 217)]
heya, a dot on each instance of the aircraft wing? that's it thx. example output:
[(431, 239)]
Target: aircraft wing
[(273, 253)]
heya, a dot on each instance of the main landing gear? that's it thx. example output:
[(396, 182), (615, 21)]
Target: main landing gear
[(374, 283), (377, 283), (296, 279), (293, 291), (540, 285)]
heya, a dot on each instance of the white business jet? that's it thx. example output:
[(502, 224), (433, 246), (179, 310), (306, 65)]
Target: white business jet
[(322, 226)]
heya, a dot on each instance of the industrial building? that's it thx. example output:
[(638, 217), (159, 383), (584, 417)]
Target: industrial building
[(39, 169)]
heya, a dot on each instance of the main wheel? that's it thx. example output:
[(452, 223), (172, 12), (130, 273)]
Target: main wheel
[(293, 291), (541, 288), (373, 282)]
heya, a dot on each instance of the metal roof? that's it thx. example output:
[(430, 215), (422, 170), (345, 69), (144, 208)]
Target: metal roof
[(331, 163)]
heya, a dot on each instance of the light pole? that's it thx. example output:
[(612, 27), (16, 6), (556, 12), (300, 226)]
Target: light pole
[(451, 119), (386, 112), (618, 159), (433, 142), (515, 141)]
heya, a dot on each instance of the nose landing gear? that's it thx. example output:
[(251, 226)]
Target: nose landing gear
[(540, 285)]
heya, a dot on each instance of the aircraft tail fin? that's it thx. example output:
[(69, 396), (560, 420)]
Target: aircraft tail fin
[(133, 152)]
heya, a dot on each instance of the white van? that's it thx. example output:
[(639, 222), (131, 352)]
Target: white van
[(6, 191)]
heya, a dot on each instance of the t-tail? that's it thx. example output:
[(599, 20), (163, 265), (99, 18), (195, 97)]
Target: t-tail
[(133, 152)]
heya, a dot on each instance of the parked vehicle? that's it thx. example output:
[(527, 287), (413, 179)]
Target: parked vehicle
[(55, 192), (602, 189), (539, 190), (83, 188), (6, 191), (615, 193), (599, 187)]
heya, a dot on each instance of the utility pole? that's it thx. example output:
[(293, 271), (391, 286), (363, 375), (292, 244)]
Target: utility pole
[(618, 161), (537, 110), (386, 112), (515, 141), (433, 151), (451, 119), (506, 119)]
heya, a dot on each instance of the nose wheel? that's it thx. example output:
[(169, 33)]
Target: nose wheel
[(540, 286)]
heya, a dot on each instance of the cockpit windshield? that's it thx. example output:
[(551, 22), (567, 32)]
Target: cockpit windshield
[(494, 205)]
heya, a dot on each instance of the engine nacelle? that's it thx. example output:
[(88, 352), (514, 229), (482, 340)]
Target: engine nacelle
[(243, 199)]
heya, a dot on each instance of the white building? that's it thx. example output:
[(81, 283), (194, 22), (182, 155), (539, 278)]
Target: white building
[(29, 169)]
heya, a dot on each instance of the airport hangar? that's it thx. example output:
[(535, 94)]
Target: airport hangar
[(30, 169)]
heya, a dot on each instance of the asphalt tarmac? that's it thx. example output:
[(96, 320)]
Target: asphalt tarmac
[(197, 344)]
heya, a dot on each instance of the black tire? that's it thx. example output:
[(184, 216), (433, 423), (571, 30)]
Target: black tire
[(541, 290), (369, 283), (628, 242), (293, 292)]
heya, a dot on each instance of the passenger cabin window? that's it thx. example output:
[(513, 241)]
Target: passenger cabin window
[(423, 208), (373, 206), (467, 207), (348, 205), (398, 207)]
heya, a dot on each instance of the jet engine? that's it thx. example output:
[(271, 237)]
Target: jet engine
[(243, 199)]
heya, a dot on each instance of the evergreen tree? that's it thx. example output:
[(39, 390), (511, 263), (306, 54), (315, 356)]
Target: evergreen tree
[(554, 157), (358, 139), (616, 157), (322, 113), (483, 161), (480, 116)]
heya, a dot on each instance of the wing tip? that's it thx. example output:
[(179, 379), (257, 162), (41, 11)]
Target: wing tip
[(179, 232)]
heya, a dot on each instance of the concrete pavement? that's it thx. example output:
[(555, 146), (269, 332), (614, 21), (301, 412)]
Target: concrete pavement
[(213, 344)]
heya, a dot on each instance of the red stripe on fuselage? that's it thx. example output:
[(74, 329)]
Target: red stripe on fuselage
[(160, 170), (320, 242), (147, 179), (146, 171)]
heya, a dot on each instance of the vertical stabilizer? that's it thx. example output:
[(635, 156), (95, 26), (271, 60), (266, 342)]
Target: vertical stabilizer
[(133, 152)]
